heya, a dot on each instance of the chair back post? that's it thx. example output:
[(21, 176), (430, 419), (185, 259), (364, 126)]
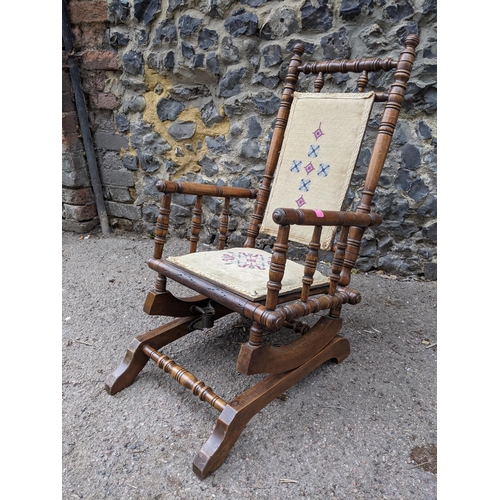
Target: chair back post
[(380, 150), (275, 146)]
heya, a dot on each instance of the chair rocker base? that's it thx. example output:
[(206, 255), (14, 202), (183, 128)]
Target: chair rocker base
[(237, 413)]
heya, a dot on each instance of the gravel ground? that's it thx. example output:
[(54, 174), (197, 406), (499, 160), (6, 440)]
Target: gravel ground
[(363, 429)]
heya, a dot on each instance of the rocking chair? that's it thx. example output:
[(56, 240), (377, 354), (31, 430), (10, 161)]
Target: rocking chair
[(314, 148)]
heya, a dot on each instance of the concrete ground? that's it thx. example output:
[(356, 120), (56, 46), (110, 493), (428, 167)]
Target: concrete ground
[(363, 429)]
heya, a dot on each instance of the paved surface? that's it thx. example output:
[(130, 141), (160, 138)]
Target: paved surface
[(364, 429)]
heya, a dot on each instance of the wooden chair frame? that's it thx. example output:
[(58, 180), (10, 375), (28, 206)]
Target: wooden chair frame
[(288, 364)]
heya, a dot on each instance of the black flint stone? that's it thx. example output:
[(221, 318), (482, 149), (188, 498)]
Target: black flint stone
[(133, 63), (145, 10), (400, 11), (169, 109), (118, 11), (245, 23), (188, 25), (314, 17), (207, 38), (165, 33)]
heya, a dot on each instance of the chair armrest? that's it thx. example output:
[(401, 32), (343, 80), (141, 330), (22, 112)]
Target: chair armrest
[(289, 216), (205, 189)]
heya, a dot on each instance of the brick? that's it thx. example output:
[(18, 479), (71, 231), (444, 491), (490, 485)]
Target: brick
[(67, 102), (70, 123), (80, 212), (110, 142), (82, 196), (123, 210), (79, 227), (93, 80), (104, 101), (72, 142), (97, 59), (95, 11)]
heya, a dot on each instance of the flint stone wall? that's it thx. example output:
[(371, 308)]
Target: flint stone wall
[(196, 88)]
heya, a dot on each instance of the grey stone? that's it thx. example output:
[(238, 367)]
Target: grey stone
[(254, 128), (208, 167), (245, 23), (154, 142), (272, 55), (123, 210), (187, 50), (235, 129), (212, 64), (130, 162), (336, 45), (150, 186), (142, 36), (217, 145), (170, 60), (119, 194), (210, 114), (188, 25), (404, 179), (78, 227), (180, 130), (253, 3), (121, 121), (430, 160), (134, 104), (309, 47), (280, 23), (410, 155), (74, 170), (133, 62), (148, 161), (107, 141), (252, 52), (429, 231), (270, 82), (430, 271), (118, 11), (350, 9), (118, 37), (399, 11), (150, 213), (165, 33), (169, 109), (418, 190), (146, 10), (266, 104), (316, 15), (207, 38), (428, 207), (190, 92), (423, 130), (198, 60), (229, 84), (402, 134), (228, 51), (117, 177), (250, 148)]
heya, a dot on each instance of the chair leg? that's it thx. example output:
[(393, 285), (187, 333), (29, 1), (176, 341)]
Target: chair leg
[(135, 359), (238, 412)]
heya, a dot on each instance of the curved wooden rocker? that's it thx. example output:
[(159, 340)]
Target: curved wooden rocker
[(314, 148)]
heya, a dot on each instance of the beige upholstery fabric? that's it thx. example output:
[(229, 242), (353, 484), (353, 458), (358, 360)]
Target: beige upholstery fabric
[(320, 148), (245, 271)]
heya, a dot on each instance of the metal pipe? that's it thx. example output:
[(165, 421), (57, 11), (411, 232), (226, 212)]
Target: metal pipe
[(81, 110)]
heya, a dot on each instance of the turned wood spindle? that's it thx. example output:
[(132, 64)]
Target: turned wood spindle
[(224, 223), (185, 378), (195, 225), (311, 263)]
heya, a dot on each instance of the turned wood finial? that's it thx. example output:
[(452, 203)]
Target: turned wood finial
[(299, 49)]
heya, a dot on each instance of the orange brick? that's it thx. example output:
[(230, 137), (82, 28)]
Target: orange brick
[(95, 59), (104, 101), (88, 12)]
